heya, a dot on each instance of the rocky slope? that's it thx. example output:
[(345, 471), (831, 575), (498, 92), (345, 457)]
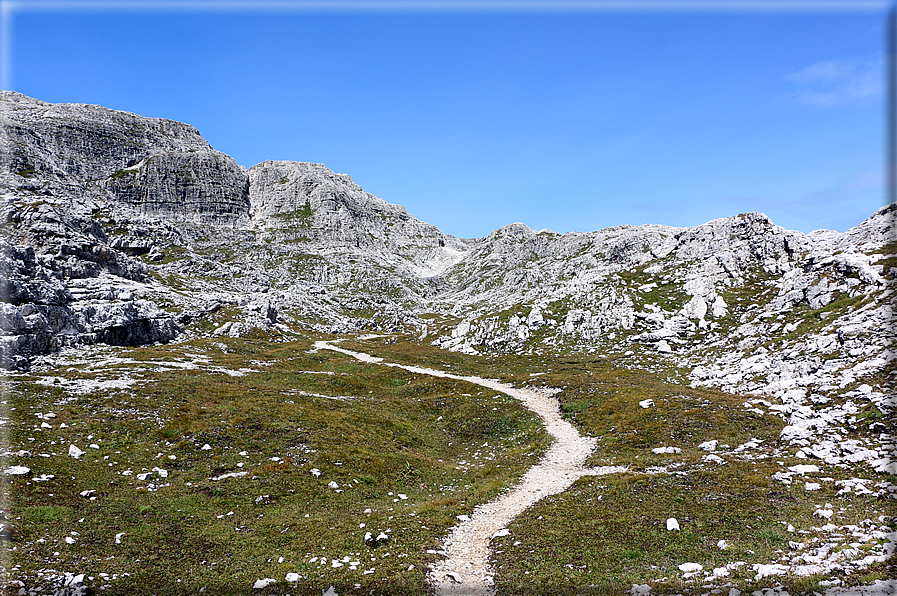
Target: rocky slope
[(803, 321), (126, 230)]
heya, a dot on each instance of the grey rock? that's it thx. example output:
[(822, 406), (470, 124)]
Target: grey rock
[(200, 186), (83, 142)]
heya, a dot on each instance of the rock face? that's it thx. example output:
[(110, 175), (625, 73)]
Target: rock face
[(203, 186), (65, 167), (39, 312), (306, 202), (84, 142)]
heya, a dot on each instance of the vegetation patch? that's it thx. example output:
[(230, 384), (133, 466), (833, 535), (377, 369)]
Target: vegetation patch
[(227, 474)]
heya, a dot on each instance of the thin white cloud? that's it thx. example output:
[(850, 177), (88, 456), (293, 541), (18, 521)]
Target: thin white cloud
[(822, 72), (836, 83)]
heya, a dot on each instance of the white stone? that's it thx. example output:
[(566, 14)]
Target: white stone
[(230, 475), (709, 445), (670, 450), (73, 580), (696, 308), (804, 468), (767, 570)]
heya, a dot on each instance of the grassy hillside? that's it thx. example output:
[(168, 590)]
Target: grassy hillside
[(214, 463)]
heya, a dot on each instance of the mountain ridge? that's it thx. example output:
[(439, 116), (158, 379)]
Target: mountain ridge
[(94, 197)]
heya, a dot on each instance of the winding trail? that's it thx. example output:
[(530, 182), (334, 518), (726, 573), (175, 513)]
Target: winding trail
[(465, 571)]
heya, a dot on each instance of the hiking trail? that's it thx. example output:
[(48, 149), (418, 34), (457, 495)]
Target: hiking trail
[(466, 571)]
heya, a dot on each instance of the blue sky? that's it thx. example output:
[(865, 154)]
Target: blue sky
[(573, 119)]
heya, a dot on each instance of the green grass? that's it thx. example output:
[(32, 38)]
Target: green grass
[(607, 533), (401, 433), (171, 254), (390, 432), (886, 249), (303, 213)]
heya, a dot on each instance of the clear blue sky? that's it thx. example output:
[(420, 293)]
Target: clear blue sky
[(569, 120)]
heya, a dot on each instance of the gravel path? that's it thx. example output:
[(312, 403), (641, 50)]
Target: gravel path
[(465, 571)]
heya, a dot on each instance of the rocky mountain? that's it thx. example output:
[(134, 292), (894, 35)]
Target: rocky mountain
[(126, 230)]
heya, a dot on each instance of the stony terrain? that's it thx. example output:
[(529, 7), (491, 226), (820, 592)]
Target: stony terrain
[(129, 231)]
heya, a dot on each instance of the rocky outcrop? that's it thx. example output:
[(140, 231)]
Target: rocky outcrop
[(40, 312), (157, 166), (199, 186), (83, 142), (307, 202), (75, 182)]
